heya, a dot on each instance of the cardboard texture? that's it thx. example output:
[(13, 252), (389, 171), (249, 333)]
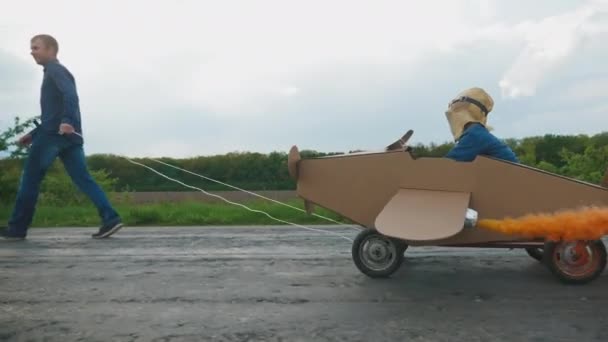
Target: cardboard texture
[(420, 209), (420, 199)]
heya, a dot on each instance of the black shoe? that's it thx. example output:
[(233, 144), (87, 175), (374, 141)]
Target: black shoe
[(5, 236), (107, 230)]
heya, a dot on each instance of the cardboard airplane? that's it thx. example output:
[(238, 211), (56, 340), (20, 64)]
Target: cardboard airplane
[(425, 201)]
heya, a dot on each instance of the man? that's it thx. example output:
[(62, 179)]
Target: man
[(59, 135), (467, 115)]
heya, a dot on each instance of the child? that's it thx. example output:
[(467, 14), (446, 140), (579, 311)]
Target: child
[(467, 115)]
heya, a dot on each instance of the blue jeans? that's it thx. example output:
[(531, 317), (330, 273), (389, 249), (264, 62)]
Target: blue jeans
[(45, 148)]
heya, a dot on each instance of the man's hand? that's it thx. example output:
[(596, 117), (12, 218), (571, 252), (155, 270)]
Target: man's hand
[(66, 129), (25, 140)]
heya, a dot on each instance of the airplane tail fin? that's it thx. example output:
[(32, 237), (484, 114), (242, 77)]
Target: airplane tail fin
[(401, 143)]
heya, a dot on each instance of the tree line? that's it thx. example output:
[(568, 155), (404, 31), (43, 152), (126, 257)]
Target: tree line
[(581, 157)]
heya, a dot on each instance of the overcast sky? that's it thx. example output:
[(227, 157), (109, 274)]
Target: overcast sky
[(185, 78)]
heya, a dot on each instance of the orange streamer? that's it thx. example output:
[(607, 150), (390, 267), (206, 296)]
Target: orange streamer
[(589, 223)]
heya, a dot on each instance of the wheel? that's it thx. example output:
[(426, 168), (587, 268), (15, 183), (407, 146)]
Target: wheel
[(535, 253), (377, 255), (575, 262)]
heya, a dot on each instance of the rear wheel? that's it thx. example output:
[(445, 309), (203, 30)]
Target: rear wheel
[(377, 255), (576, 262)]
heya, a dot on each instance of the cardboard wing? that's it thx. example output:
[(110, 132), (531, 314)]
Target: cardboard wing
[(422, 215)]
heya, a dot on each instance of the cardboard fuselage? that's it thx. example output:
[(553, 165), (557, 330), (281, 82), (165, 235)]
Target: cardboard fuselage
[(423, 200)]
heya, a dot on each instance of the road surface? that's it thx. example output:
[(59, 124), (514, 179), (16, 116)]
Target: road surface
[(278, 284)]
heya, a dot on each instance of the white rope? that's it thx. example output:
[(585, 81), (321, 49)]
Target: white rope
[(241, 205), (255, 194), (237, 204)]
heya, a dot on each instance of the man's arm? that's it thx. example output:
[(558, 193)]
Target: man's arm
[(67, 87), (26, 139)]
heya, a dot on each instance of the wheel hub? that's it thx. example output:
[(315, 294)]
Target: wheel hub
[(575, 259), (378, 253), (576, 255)]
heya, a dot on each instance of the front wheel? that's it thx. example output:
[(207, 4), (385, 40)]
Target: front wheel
[(576, 262), (377, 255)]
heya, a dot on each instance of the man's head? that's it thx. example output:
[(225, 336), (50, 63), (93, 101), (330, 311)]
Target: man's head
[(471, 105), (44, 48)]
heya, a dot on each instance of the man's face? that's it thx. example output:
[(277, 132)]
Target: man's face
[(41, 53)]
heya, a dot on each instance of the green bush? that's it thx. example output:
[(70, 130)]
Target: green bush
[(58, 188), (10, 173)]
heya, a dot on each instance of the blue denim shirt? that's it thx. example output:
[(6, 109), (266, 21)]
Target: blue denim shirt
[(477, 140), (59, 101)]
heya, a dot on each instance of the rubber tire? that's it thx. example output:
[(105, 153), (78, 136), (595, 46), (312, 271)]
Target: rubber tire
[(597, 245), (535, 253), (400, 248)]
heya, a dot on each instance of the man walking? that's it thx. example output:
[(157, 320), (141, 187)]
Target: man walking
[(59, 135)]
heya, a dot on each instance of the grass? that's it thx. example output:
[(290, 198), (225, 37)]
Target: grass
[(175, 214)]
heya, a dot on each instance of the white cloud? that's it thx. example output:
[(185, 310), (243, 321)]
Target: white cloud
[(487, 9), (210, 76), (550, 43), (289, 90), (231, 57)]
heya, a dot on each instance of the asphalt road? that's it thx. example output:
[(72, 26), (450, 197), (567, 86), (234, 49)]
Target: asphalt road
[(279, 284)]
